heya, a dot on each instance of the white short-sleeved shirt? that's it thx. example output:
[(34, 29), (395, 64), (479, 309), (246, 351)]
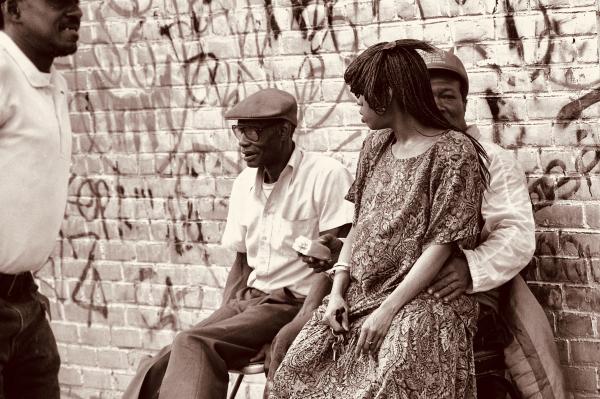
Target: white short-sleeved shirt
[(35, 157), (308, 198)]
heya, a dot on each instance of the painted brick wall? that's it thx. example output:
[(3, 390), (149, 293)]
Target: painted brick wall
[(138, 256)]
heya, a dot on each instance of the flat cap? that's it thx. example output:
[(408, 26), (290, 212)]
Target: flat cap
[(266, 104), (446, 60)]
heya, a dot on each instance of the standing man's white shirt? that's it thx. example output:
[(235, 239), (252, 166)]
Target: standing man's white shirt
[(35, 156), (508, 234), (308, 198)]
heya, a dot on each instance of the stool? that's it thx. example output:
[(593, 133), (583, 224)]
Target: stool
[(252, 368), (489, 372)]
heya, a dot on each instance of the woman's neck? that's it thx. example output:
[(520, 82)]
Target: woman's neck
[(408, 130)]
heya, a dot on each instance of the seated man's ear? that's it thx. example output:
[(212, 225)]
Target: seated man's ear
[(286, 131)]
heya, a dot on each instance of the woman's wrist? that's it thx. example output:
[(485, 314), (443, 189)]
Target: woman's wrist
[(390, 307)]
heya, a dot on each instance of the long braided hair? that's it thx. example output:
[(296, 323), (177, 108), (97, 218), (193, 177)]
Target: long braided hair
[(398, 66)]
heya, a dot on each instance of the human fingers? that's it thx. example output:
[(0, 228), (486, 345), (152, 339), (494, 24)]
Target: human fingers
[(360, 343), (455, 289), (325, 239), (309, 260), (447, 290), (260, 355), (369, 338), (454, 294), (322, 266), (333, 320), (439, 285), (374, 348), (344, 319)]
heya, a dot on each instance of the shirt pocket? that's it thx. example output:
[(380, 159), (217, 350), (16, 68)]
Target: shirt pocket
[(294, 223)]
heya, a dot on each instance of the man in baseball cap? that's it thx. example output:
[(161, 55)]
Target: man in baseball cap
[(284, 193), (508, 239), (506, 247)]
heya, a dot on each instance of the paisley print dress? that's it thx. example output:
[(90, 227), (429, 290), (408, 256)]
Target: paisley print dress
[(401, 207)]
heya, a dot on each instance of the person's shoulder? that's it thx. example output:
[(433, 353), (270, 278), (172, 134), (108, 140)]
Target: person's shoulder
[(322, 162), (321, 166), (377, 138), (455, 142), (497, 152), (7, 67)]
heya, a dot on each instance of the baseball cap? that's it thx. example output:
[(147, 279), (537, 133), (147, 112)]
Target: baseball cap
[(446, 60)]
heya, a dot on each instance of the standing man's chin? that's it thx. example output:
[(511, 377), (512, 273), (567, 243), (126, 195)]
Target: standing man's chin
[(67, 51)]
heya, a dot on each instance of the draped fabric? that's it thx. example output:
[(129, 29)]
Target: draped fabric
[(401, 207)]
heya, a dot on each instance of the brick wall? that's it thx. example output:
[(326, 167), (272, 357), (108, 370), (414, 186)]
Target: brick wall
[(138, 256)]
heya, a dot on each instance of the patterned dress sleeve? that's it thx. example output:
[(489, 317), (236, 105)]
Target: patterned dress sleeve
[(362, 168), (371, 149), (456, 190)]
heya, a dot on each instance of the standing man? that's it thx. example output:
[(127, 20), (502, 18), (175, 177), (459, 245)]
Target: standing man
[(284, 193), (35, 152)]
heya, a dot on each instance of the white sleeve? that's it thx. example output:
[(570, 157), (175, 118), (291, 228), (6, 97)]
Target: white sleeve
[(334, 210), (508, 234), (234, 236), (4, 94)]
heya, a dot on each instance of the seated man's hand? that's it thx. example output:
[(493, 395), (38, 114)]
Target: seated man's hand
[(335, 246), (452, 281), (281, 343)]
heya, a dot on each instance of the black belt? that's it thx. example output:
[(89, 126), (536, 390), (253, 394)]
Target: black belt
[(14, 286)]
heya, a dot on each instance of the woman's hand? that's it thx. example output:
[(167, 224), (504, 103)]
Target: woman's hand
[(336, 314), (373, 331)]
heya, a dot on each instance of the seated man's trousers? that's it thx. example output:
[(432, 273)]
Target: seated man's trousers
[(196, 365)]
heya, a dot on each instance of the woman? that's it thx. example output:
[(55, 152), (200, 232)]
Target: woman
[(417, 196)]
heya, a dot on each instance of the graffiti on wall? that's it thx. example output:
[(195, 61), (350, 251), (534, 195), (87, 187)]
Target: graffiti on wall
[(140, 88)]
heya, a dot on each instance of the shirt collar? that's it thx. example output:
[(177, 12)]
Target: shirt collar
[(35, 77), (292, 165)]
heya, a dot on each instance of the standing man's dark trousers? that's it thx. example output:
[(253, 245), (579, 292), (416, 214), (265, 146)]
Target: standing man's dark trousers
[(195, 365), (29, 359)]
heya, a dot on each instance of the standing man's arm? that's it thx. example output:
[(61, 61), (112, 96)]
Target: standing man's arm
[(508, 236)]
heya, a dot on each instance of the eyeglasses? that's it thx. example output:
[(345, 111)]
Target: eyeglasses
[(252, 133)]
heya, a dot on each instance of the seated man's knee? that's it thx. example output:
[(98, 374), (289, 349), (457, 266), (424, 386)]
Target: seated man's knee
[(182, 340), (191, 341)]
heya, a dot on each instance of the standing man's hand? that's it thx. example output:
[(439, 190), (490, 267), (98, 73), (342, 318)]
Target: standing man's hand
[(335, 246), (453, 280)]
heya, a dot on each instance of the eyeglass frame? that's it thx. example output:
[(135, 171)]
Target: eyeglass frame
[(258, 129)]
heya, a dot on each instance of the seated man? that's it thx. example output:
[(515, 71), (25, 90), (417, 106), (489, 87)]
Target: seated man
[(284, 193), (507, 240)]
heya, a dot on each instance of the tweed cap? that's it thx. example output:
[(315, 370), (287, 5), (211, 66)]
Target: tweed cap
[(266, 104), (446, 60)]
